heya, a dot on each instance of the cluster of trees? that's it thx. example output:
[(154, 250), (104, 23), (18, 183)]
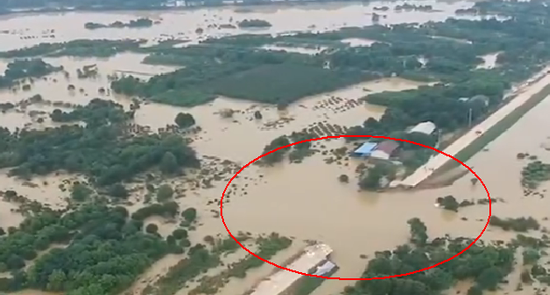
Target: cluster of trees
[(199, 261), (534, 173), (267, 248), (296, 153), (254, 23), (105, 251), (137, 23), (80, 192), (98, 112), (409, 7), (167, 210), (26, 68), (450, 203), (100, 150), (397, 52), (240, 70), (372, 178), (487, 265), (520, 224), (236, 71), (278, 155), (299, 151)]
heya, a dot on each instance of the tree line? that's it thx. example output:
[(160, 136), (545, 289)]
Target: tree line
[(101, 150), (487, 265)]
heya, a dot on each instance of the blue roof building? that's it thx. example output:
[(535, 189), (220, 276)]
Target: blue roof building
[(365, 149)]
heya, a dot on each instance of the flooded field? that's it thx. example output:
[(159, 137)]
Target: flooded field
[(303, 201), (27, 30)]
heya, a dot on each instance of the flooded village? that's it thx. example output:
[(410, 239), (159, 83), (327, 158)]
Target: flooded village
[(114, 158)]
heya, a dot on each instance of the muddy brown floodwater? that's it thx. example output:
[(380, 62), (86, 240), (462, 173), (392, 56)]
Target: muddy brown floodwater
[(26, 30), (304, 201)]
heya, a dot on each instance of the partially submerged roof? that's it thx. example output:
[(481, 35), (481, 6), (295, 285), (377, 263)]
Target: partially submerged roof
[(366, 148), (423, 127), (387, 146), (325, 268)]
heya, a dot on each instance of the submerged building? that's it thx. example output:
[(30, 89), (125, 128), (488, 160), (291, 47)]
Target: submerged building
[(384, 150), (314, 260)]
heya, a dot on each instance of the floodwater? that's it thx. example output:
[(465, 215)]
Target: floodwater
[(358, 42), (30, 29), (304, 201), (489, 61), (310, 51)]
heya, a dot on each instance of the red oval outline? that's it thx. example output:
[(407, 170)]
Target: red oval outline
[(356, 279)]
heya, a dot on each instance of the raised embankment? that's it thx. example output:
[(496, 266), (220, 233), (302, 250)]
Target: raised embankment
[(526, 97)]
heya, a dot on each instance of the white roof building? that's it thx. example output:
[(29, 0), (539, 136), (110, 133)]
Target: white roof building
[(281, 280), (423, 127)]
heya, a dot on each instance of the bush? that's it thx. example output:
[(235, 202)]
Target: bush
[(118, 191), (152, 228), (179, 234), (184, 120), (164, 193), (189, 214), (343, 178)]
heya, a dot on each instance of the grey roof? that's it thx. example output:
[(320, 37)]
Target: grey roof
[(387, 146)]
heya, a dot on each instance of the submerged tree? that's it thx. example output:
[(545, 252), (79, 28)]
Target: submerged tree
[(184, 120)]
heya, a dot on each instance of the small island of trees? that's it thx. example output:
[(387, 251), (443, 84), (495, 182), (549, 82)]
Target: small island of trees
[(138, 23), (485, 264), (254, 23)]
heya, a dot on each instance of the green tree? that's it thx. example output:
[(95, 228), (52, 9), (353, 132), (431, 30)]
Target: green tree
[(118, 191), (169, 163), (56, 281), (530, 256), (164, 193), (80, 192), (489, 278), (189, 214), (448, 203), (152, 228), (374, 175), (180, 233), (184, 120), (15, 262), (418, 231), (278, 155), (475, 290)]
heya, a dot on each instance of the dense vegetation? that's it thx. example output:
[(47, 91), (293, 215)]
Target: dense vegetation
[(485, 264), (267, 248), (296, 153), (104, 251), (138, 23), (26, 68), (272, 77), (223, 67), (521, 224), (534, 173), (101, 150)]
